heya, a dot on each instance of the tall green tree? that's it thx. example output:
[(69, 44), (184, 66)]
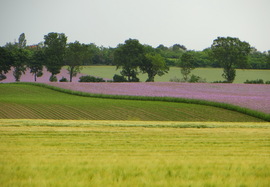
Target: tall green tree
[(231, 53), (5, 62), (187, 64), (54, 50), (20, 58), (154, 64), (75, 55), (36, 63), (129, 56), (22, 41)]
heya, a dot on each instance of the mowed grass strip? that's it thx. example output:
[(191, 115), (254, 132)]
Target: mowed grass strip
[(56, 153), (21, 101)]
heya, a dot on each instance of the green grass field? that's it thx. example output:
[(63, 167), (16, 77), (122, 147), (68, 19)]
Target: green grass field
[(210, 74), (126, 153), (20, 101)]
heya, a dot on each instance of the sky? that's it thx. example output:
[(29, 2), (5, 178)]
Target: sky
[(192, 23)]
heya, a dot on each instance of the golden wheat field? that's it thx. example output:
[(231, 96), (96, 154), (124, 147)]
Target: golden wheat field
[(128, 153)]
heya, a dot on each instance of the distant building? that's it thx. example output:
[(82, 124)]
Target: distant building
[(32, 46)]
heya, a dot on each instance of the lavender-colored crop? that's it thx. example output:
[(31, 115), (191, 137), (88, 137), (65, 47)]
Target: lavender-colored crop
[(28, 77), (256, 97)]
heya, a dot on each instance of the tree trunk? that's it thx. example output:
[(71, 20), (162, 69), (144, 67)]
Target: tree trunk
[(150, 78), (71, 73)]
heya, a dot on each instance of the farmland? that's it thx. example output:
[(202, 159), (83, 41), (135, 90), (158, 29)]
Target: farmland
[(107, 72), (57, 138), (254, 97), (210, 74), (20, 101), (117, 153)]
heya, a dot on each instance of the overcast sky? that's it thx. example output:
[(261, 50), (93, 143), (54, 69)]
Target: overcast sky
[(193, 23)]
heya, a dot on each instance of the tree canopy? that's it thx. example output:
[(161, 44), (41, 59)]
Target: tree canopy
[(129, 56), (5, 62), (231, 53), (187, 64), (36, 63), (22, 41), (154, 64), (20, 58), (75, 55), (55, 46)]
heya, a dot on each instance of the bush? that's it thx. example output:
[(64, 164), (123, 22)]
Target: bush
[(258, 81), (53, 78), (192, 79), (267, 82), (39, 74), (135, 79), (221, 82), (89, 78), (119, 78), (175, 79), (2, 77), (196, 79), (63, 80)]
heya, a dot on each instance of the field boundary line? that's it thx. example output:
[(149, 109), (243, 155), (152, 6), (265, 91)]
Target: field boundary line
[(121, 123)]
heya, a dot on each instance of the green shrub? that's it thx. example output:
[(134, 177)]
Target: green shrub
[(267, 82), (119, 78), (135, 79), (221, 82), (258, 81), (2, 77), (194, 79), (39, 74), (89, 78), (175, 79), (63, 80), (53, 78)]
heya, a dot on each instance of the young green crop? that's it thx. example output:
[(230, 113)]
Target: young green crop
[(95, 153)]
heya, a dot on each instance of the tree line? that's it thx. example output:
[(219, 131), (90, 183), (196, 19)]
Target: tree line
[(132, 57)]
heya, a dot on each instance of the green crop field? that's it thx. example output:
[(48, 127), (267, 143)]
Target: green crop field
[(210, 74), (19, 101), (118, 153)]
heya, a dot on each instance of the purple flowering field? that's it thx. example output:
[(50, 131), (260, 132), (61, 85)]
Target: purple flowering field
[(28, 77), (253, 96)]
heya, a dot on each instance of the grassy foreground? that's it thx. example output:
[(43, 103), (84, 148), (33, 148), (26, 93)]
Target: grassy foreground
[(117, 153), (25, 101)]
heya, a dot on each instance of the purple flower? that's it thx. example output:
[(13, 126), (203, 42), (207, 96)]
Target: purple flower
[(251, 96), (255, 97)]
